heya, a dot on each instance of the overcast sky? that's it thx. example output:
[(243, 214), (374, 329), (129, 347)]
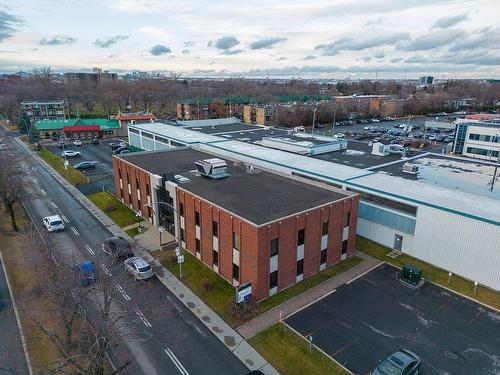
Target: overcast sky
[(315, 38)]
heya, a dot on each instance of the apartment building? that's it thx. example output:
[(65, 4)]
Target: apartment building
[(246, 224), (207, 108), (44, 109)]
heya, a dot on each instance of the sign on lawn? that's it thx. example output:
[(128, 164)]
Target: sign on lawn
[(180, 259), (243, 292)]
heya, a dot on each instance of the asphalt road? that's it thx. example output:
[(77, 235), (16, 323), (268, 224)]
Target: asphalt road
[(12, 359), (374, 316), (177, 342)]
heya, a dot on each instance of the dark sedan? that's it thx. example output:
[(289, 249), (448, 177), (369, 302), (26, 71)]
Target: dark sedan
[(85, 165)]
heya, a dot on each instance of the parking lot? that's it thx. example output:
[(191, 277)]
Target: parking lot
[(367, 320), (101, 176)]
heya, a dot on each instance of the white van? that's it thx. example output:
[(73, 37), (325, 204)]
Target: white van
[(53, 223)]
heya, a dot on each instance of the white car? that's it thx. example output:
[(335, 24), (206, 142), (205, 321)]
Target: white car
[(138, 268), (375, 120), (77, 142), (367, 128), (53, 223), (299, 129), (70, 153), (339, 135)]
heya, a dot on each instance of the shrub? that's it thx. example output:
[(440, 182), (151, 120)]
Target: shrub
[(243, 311), (110, 208), (206, 284), (173, 259)]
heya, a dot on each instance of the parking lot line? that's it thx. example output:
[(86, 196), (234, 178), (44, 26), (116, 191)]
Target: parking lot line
[(122, 292), (89, 249), (143, 318), (106, 271), (64, 218), (75, 231)]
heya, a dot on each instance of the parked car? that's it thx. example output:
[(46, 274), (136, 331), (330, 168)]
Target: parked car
[(387, 118), (375, 120), (84, 165), (339, 135), (55, 137), (86, 272), (296, 129), (95, 141), (402, 362), (117, 247), (113, 146), (449, 140), (139, 268), (53, 223), (120, 150), (61, 144), (77, 142), (367, 128), (432, 137), (70, 153)]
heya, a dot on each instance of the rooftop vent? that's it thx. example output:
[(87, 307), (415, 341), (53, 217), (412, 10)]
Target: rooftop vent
[(180, 178), (212, 168)]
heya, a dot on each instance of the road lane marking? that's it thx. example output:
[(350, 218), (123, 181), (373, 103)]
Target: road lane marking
[(122, 292), (75, 231), (106, 270), (89, 249), (176, 362), (53, 205), (143, 318), (65, 218), (43, 191)]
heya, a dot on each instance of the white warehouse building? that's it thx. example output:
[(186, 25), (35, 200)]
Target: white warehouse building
[(478, 139), (445, 221)]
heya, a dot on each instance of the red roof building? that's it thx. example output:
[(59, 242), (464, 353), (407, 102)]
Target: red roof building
[(82, 128)]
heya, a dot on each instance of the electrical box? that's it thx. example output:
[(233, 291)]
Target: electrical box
[(411, 274)]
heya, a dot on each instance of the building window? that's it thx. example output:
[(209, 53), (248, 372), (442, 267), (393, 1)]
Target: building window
[(347, 216), (236, 241), (215, 257), (197, 218), (137, 183), (322, 259), (181, 209), (301, 235), (344, 247), (236, 272), (149, 211), (324, 228), (273, 279), (215, 229), (148, 192), (182, 234), (121, 193), (129, 198), (274, 247), (300, 267), (128, 180), (384, 202), (119, 173), (198, 245)]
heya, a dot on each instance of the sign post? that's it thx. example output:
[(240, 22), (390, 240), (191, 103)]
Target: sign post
[(310, 343), (180, 260), (243, 292)]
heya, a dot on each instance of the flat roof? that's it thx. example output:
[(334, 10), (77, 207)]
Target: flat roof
[(177, 133), (224, 128), (258, 197)]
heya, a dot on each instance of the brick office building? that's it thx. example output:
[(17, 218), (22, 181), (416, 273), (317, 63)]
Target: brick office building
[(245, 224)]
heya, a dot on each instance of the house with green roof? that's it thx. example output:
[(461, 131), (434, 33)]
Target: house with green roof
[(78, 128)]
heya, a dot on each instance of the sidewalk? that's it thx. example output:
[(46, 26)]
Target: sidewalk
[(272, 316), (228, 336)]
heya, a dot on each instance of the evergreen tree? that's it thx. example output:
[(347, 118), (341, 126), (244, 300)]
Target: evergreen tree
[(24, 123)]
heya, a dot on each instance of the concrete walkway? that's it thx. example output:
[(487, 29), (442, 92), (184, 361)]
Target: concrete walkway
[(228, 336), (272, 316)]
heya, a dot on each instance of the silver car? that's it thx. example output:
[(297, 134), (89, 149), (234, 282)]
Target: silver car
[(139, 268)]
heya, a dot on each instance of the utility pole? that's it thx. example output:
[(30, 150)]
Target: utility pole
[(314, 118), (333, 124)]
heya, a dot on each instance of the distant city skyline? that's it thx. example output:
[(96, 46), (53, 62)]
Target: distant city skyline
[(204, 38)]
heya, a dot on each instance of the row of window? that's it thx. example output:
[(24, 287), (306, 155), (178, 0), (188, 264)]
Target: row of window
[(381, 201), (482, 151), (484, 138)]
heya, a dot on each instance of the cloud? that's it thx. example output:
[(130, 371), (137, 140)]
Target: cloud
[(159, 49), (379, 55), (445, 22), (366, 58), (309, 57), (374, 22), (396, 60), (266, 42), (8, 22), (57, 40), (416, 59), (188, 43), (486, 38), (281, 58), (230, 52), (349, 44), (432, 40), (224, 43), (108, 42), (186, 51)]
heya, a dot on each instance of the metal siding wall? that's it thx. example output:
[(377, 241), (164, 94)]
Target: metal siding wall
[(387, 218), (383, 235), (464, 246), (148, 144), (134, 140)]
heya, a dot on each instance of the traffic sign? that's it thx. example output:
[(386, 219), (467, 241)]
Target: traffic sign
[(180, 259)]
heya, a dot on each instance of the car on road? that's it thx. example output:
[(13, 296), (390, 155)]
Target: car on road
[(122, 150), (70, 153), (375, 120), (84, 165), (77, 142), (387, 118), (86, 272), (339, 135), (117, 247), (402, 362), (95, 141), (53, 223), (139, 268)]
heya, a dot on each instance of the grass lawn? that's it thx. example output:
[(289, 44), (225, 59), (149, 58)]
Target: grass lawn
[(289, 353), (194, 271), (116, 210), (72, 175), (432, 273)]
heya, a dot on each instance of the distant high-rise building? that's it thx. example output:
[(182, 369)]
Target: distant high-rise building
[(426, 80), (97, 76)]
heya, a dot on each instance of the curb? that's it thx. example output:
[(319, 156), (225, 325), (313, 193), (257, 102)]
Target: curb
[(231, 339), (18, 320)]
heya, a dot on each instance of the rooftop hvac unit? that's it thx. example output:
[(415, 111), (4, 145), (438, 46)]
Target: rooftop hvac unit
[(212, 168), (410, 168), (380, 149)]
